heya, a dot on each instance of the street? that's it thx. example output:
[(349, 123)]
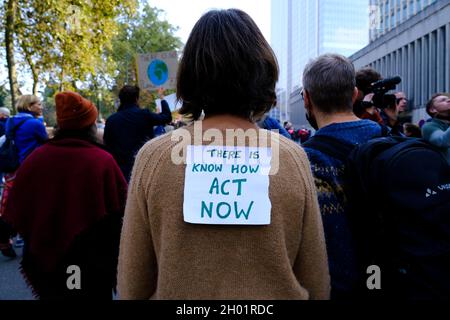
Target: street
[(12, 284)]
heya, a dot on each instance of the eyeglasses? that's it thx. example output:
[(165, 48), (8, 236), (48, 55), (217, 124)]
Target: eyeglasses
[(400, 99)]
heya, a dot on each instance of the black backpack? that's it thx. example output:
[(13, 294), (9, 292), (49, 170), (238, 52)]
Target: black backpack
[(399, 196), (9, 157)]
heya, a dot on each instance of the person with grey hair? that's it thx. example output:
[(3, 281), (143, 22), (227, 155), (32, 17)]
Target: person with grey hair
[(5, 112), (329, 91)]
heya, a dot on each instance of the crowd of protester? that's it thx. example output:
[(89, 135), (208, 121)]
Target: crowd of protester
[(114, 206)]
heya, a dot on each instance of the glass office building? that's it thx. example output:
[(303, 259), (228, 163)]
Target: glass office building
[(305, 29)]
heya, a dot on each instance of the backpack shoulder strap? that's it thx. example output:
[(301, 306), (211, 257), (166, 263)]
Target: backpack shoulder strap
[(12, 131), (330, 146)]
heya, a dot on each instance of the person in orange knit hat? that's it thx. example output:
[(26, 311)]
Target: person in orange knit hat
[(75, 197), (73, 112)]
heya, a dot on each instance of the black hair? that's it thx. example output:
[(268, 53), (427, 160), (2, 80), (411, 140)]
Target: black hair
[(128, 95), (365, 77)]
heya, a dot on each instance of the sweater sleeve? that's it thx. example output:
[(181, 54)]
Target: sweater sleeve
[(311, 265), (137, 270), (436, 135)]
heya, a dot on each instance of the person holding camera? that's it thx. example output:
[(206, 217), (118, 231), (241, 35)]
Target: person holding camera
[(376, 104), (364, 108)]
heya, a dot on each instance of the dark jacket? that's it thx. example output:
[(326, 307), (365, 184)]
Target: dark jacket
[(396, 129), (129, 129), (2, 126)]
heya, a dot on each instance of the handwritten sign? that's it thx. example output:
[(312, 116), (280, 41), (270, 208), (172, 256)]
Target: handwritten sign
[(227, 185), (158, 69)]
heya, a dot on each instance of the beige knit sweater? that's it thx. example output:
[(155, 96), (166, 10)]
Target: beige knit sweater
[(163, 257)]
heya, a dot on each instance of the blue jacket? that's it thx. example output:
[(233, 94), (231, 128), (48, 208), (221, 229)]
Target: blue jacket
[(30, 135), (129, 129), (270, 123), (2, 126), (437, 132)]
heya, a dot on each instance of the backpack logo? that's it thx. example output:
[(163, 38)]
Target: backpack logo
[(430, 193)]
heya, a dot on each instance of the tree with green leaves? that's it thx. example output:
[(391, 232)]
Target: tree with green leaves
[(9, 14), (60, 39), (82, 45), (5, 97), (66, 39), (144, 32)]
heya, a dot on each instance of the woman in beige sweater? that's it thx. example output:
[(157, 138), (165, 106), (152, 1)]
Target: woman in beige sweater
[(222, 209)]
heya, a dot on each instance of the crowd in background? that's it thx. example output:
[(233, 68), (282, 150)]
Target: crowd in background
[(114, 206)]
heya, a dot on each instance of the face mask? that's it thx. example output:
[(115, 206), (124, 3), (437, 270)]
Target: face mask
[(312, 121)]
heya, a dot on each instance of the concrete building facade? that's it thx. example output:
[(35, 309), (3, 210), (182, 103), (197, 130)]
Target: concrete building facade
[(418, 50), (388, 14)]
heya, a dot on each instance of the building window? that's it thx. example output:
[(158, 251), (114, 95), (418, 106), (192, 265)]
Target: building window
[(411, 8)]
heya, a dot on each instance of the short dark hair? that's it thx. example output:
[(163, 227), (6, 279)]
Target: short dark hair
[(430, 103), (365, 77), (128, 95), (227, 68), (330, 82)]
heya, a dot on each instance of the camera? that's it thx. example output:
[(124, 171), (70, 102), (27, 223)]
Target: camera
[(380, 88)]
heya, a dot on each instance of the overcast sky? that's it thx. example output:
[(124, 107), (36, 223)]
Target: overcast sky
[(184, 13)]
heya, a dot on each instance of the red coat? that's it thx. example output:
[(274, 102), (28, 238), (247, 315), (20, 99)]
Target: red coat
[(61, 189)]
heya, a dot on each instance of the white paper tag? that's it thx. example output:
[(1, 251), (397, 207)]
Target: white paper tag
[(227, 185)]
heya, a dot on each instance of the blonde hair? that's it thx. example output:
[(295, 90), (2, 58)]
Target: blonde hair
[(24, 102)]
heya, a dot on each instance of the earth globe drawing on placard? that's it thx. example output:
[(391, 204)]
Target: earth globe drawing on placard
[(158, 72)]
